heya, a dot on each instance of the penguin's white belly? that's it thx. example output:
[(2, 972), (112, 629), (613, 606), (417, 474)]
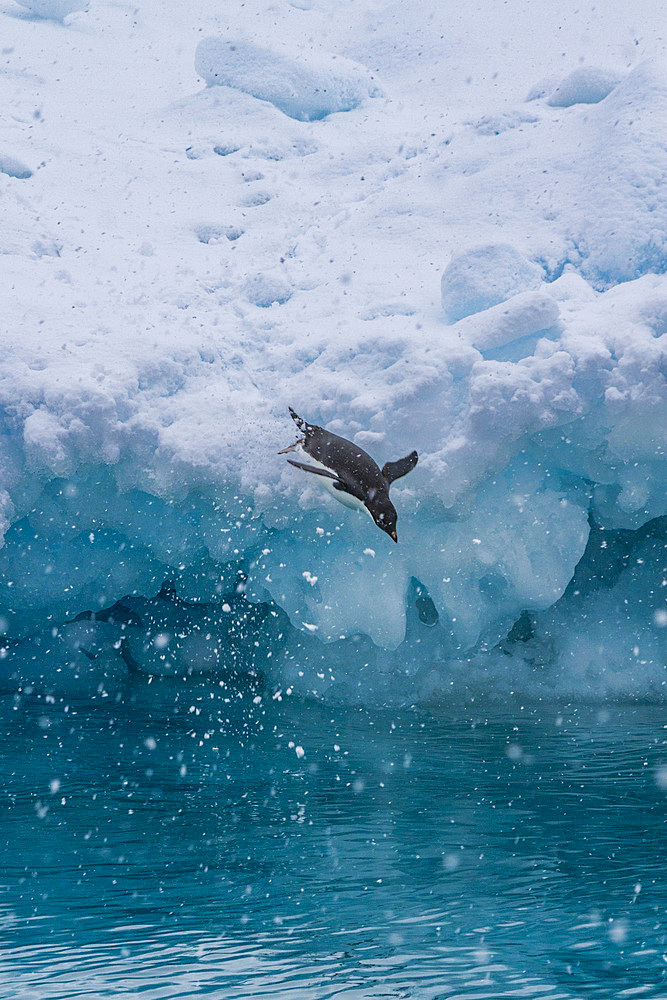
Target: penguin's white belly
[(346, 499)]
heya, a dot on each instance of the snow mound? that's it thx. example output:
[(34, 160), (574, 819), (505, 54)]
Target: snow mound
[(484, 276), (586, 85), (304, 87)]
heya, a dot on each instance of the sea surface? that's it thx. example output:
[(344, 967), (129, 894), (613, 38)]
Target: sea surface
[(189, 841)]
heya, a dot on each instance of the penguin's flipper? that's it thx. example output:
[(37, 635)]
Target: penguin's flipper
[(346, 488), (318, 472), (401, 467), (338, 483)]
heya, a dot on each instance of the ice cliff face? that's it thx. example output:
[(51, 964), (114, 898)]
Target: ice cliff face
[(484, 284)]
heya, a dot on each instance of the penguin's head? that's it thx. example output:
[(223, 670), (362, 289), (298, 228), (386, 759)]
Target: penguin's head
[(383, 513)]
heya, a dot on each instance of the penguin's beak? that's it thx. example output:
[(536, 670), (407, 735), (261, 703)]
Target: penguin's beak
[(392, 534)]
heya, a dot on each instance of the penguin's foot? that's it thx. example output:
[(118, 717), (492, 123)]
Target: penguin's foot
[(293, 447)]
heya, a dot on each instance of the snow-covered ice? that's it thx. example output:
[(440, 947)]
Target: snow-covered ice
[(365, 219)]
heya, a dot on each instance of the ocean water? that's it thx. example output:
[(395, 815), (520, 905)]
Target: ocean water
[(189, 841)]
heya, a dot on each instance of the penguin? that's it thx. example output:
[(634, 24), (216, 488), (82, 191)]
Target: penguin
[(349, 473)]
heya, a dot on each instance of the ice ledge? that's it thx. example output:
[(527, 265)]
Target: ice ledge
[(516, 455)]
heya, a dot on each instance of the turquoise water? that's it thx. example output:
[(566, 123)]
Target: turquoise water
[(185, 842)]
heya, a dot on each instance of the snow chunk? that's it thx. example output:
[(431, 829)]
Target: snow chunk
[(54, 10), (304, 88), (264, 290), (484, 276), (586, 85), (43, 436), (521, 316)]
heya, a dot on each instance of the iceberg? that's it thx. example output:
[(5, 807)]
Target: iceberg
[(522, 458), (493, 297)]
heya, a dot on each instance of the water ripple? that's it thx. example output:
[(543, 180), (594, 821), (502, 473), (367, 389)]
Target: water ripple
[(402, 856)]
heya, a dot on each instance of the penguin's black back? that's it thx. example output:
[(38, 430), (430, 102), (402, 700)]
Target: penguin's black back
[(353, 466)]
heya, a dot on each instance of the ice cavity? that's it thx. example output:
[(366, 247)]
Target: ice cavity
[(78, 659), (614, 615), (305, 87)]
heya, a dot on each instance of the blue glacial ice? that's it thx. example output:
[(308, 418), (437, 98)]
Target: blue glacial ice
[(493, 297), (531, 533)]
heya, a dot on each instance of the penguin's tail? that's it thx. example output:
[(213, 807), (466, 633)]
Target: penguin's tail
[(299, 421)]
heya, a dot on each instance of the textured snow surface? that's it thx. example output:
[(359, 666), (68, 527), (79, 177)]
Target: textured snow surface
[(364, 219)]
